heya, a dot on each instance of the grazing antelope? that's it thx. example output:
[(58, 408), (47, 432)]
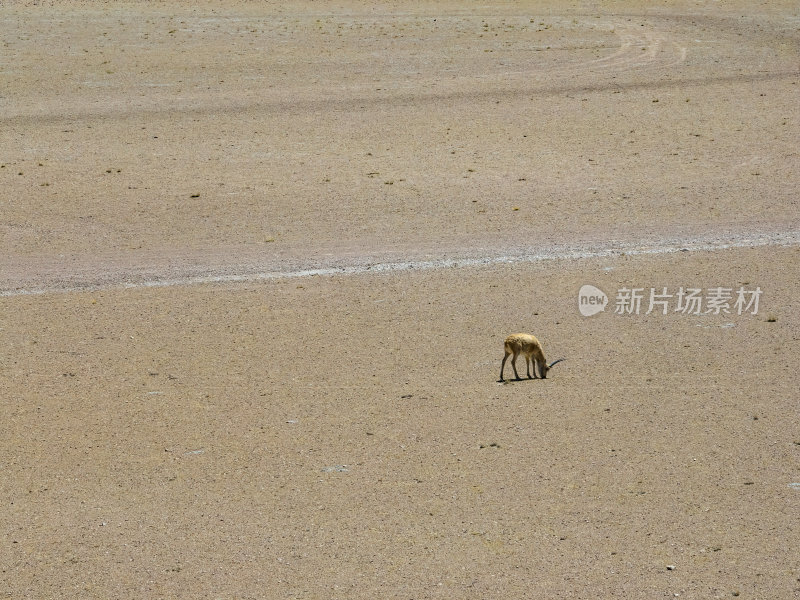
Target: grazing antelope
[(530, 348)]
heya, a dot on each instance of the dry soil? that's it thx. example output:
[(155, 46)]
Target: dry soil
[(257, 261)]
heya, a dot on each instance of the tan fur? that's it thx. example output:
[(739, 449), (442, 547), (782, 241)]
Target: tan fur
[(530, 348)]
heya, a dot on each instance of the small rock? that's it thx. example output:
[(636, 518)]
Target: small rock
[(336, 469), (670, 567)]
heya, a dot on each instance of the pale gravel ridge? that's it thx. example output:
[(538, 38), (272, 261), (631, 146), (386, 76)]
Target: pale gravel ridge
[(113, 275)]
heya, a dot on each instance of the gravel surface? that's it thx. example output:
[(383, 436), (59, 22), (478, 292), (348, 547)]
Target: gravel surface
[(257, 262)]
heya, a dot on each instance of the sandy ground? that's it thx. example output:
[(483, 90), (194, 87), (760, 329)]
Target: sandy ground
[(344, 435)]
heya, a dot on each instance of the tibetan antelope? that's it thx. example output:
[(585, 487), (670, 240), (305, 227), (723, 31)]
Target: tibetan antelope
[(531, 349)]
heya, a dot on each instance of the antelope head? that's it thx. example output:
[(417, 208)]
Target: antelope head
[(550, 366)]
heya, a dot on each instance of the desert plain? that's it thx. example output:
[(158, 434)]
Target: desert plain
[(258, 260)]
